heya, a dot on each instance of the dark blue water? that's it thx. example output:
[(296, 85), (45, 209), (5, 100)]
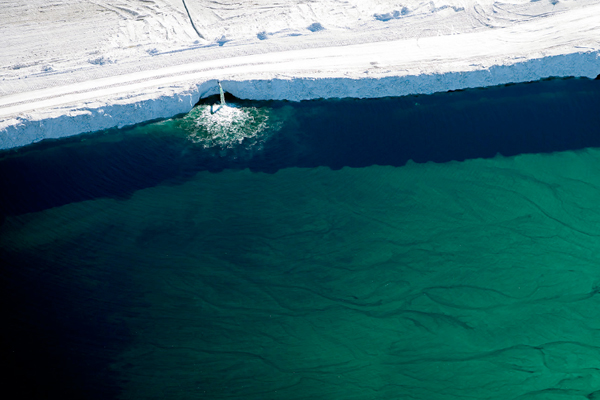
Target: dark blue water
[(539, 117), (440, 246)]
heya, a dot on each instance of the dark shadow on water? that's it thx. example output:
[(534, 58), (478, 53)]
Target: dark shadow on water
[(540, 117), (51, 328)]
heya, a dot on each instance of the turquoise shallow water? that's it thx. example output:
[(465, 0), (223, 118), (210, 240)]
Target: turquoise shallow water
[(250, 256)]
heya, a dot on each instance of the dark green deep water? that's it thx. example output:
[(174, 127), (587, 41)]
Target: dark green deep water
[(424, 247)]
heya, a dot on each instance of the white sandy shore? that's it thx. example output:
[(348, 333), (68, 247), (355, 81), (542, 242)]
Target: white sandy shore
[(74, 66)]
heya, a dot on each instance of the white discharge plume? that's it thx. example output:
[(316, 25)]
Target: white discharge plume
[(230, 126)]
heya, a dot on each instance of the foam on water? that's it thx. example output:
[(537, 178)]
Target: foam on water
[(227, 126)]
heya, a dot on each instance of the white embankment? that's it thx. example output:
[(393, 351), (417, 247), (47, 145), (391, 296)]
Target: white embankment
[(35, 125), (449, 45), (563, 45)]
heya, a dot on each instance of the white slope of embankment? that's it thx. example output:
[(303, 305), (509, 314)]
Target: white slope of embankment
[(107, 63)]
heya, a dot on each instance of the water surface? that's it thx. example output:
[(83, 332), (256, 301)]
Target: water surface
[(427, 247)]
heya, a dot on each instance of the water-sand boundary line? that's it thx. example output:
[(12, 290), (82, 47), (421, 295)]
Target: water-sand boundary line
[(394, 68)]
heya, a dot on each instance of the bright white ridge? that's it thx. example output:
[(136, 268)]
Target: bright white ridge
[(74, 66)]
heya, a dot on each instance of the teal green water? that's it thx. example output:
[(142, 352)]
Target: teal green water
[(476, 279)]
